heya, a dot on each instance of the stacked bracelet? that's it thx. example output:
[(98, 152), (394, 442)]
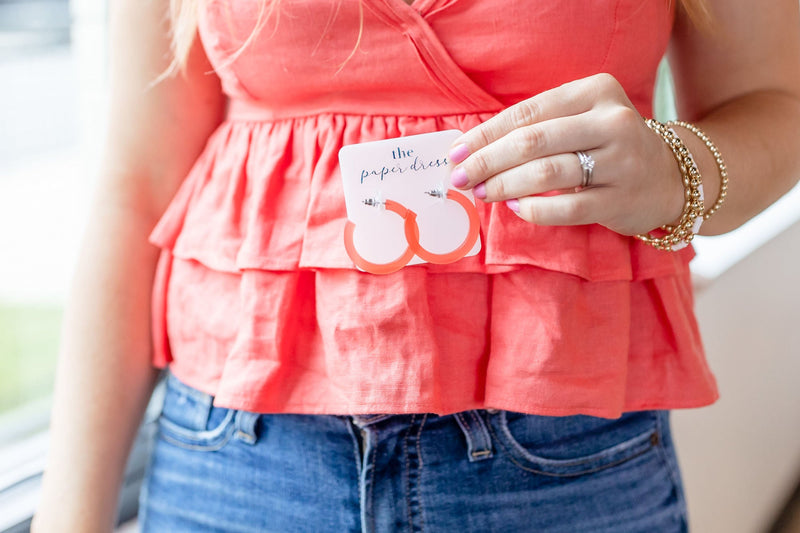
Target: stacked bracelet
[(723, 170), (680, 235)]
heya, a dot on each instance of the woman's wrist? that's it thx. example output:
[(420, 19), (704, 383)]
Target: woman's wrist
[(705, 162), (687, 144), (680, 234), (674, 199)]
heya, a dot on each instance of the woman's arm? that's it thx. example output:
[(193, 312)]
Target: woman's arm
[(104, 377), (740, 83)]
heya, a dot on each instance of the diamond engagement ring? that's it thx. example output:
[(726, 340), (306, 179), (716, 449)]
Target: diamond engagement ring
[(587, 165)]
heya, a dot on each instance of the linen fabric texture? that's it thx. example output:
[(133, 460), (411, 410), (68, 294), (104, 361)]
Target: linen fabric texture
[(256, 301)]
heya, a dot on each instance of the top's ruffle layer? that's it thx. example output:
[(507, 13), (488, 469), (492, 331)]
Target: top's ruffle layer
[(268, 195)]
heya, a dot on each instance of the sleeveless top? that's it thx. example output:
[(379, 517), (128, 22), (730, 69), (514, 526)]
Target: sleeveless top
[(256, 301)]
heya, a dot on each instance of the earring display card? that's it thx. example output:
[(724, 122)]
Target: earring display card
[(413, 172)]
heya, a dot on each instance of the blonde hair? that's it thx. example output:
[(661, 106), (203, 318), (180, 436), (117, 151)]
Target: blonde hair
[(184, 15), (698, 12)]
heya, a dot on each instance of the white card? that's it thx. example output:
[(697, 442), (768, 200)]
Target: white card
[(414, 173)]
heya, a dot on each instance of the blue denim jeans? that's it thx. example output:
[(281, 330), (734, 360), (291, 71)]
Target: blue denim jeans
[(225, 470)]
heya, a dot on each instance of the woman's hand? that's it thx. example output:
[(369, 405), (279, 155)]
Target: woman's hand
[(529, 150)]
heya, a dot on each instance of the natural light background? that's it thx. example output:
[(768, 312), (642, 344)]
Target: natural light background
[(52, 66)]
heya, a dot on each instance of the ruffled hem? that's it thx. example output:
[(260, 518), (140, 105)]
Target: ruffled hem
[(342, 342), (267, 195), (249, 403)]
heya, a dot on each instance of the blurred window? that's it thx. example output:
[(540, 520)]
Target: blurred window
[(39, 141), (52, 101)]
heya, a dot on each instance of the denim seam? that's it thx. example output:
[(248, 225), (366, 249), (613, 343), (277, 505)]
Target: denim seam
[(368, 492), (364, 421), (673, 475), (198, 447), (463, 421), (596, 456), (409, 516), (351, 429), (419, 475), (413, 497), (356, 447), (204, 434), (510, 456)]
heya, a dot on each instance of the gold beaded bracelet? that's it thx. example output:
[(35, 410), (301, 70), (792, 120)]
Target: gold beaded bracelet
[(680, 235), (723, 170)]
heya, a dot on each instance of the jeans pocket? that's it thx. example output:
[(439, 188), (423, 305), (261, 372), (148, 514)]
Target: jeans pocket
[(573, 445), (189, 419)]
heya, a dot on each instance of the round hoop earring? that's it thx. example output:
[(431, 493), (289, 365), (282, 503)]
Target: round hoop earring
[(410, 226), (412, 234)]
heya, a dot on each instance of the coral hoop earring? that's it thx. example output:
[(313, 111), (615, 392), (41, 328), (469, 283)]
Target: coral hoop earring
[(392, 266), (412, 234)]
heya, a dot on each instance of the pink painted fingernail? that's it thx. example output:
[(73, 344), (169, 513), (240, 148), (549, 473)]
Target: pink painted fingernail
[(459, 177), (479, 191), (513, 204), (458, 153)]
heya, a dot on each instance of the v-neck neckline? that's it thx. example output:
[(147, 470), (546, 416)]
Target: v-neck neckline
[(441, 68), (418, 6)]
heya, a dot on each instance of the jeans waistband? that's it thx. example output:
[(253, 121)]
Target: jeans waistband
[(364, 421), (472, 423)]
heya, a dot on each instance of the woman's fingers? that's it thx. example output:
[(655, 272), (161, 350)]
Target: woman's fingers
[(572, 98), (573, 209), (552, 137), (530, 150), (553, 173)]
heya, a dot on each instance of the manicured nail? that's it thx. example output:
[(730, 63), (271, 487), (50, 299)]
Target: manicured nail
[(459, 177), (479, 191), (513, 204), (458, 153)]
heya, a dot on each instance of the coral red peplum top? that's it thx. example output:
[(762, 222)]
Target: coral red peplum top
[(257, 302)]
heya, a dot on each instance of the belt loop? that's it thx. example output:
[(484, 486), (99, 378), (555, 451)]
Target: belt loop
[(246, 426), (479, 443)]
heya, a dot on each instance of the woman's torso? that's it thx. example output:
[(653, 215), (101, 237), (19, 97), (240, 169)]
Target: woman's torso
[(256, 231)]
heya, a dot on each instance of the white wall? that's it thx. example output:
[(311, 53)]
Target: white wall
[(741, 456)]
